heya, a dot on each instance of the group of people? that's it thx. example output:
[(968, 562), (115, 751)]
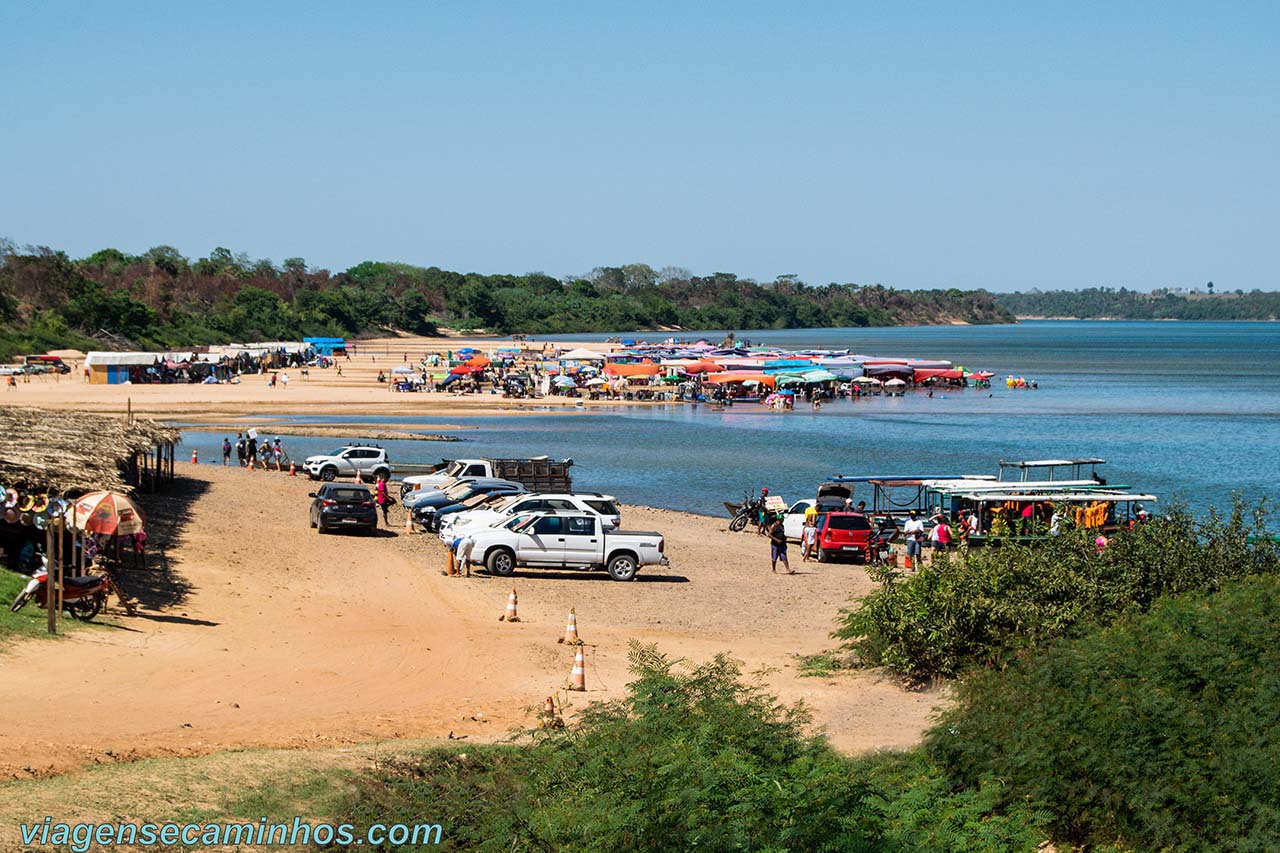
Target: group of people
[(247, 448)]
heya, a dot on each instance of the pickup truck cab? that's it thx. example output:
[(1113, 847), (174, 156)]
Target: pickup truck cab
[(565, 540), (456, 469)]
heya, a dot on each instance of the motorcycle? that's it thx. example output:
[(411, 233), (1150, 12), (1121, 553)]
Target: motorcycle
[(746, 512), (83, 597)]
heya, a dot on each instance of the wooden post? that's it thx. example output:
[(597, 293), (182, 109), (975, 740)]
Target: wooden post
[(50, 584)]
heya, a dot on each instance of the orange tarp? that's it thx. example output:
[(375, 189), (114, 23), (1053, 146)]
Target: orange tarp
[(646, 368)]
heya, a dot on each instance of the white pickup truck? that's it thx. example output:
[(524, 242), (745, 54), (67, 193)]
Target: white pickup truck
[(565, 540)]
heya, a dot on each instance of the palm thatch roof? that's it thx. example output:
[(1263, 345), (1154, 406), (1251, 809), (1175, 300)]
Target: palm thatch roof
[(73, 452)]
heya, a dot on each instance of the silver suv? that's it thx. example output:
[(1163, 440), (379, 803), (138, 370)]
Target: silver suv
[(604, 507), (369, 459)]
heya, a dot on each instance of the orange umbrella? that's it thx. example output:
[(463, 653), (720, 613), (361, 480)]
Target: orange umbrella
[(108, 513)]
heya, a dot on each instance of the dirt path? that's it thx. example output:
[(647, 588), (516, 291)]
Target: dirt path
[(280, 637)]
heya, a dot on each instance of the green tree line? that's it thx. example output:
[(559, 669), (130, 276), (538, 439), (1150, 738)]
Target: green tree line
[(1110, 303), (161, 298)]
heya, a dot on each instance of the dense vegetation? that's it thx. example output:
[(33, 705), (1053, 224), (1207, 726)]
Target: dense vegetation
[(1123, 304), (160, 298), (689, 759), (982, 609), (1161, 732)]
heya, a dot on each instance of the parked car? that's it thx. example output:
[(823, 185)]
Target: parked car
[(844, 534), (343, 506), (605, 506), (565, 540), (793, 521), (425, 507), (537, 474), (370, 460)]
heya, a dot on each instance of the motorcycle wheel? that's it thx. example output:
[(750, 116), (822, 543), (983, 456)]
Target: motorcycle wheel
[(20, 602), (85, 609), (738, 524)]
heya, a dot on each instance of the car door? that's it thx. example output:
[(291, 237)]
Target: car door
[(542, 543), (347, 462), (581, 541), (793, 523)]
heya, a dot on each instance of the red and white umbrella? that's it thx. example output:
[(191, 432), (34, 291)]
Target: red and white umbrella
[(107, 513)]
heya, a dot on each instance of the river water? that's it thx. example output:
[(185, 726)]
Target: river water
[(1187, 411)]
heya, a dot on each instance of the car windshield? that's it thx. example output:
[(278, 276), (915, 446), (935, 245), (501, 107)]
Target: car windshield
[(516, 522), (338, 452), (603, 507), (453, 469)]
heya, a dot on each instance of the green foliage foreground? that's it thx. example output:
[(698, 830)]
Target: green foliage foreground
[(689, 759), (1161, 732), (985, 607)]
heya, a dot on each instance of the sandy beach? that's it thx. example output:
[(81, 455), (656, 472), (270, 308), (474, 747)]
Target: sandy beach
[(322, 391), (257, 631)]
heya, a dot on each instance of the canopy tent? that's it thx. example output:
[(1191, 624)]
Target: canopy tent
[(402, 369), (581, 354), (646, 368), (922, 374), (981, 374), (744, 376)]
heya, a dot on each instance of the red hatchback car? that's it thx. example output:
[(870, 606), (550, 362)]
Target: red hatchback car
[(843, 534)]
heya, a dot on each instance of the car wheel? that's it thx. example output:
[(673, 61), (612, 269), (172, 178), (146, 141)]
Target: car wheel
[(382, 472), (501, 562), (824, 556), (329, 474), (623, 567)]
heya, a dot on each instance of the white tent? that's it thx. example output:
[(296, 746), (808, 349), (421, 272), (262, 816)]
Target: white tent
[(894, 383), (582, 355)]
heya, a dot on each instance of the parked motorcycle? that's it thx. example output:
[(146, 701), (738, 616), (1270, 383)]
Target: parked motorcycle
[(746, 512), (82, 597)]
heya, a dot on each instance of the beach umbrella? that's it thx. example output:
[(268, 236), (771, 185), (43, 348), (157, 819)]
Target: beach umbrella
[(596, 381), (866, 380), (564, 382), (108, 513), (895, 383)]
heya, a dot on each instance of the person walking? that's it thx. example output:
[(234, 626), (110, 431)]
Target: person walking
[(226, 452), (941, 534), (778, 546), (240, 449), (913, 530), (382, 498), (251, 449), (12, 383)]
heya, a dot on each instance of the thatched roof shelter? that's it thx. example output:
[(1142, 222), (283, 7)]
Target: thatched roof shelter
[(72, 452)]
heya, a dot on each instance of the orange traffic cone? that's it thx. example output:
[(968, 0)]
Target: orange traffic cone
[(549, 710), (571, 630), (250, 463), (510, 615), (195, 460), (907, 562), (578, 678), (293, 469)]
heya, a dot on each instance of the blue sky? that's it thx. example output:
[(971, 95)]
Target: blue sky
[(998, 145)]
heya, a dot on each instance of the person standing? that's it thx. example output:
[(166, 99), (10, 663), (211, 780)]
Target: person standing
[(913, 530), (381, 497), (226, 452), (941, 535), (251, 448), (808, 537), (778, 545), (12, 383), (240, 449)]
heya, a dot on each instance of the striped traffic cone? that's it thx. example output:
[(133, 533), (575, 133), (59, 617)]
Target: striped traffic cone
[(195, 460), (510, 615), (578, 678), (408, 522), (571, 630), (250, 463), (293, 469)]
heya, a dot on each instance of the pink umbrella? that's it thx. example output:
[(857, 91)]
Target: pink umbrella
[(108, 513)]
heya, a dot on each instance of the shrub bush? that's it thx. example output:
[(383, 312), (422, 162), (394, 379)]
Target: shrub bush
[(1161, 731), (689, 758), (983, 607)]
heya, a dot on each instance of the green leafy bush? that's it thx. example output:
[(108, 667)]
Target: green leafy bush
[(686, 760), (982, 608), (1160, 732)]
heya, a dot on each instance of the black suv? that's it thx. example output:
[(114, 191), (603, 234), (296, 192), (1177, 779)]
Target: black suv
[(343, 506)]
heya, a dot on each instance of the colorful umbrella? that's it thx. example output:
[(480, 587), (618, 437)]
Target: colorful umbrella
[(108, 513)]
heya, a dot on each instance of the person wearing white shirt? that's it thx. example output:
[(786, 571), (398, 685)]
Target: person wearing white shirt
[(913, 530)]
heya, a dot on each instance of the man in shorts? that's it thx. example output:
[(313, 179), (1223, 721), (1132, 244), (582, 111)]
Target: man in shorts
[(913, 530), (778, 545)]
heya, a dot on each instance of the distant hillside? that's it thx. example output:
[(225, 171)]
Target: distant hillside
[(162, 299), (1108, 303)]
